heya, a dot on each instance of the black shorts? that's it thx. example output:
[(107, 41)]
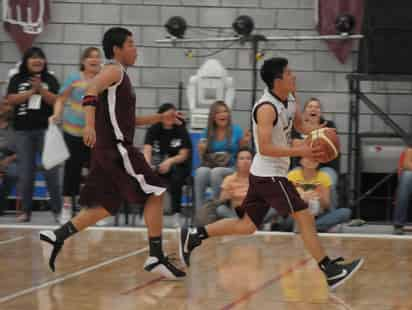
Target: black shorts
[(271, 192)]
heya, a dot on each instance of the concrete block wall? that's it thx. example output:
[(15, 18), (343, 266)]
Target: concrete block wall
[(77, 24)]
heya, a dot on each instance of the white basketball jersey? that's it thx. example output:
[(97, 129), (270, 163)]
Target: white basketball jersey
[(265, 166)]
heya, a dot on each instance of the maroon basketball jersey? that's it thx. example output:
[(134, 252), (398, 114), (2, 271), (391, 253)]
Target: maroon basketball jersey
[(115, 114)]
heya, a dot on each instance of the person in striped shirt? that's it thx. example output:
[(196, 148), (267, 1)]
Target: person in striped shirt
[(69, 108)]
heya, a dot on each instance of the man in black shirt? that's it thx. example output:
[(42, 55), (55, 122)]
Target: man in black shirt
[(167, 148)]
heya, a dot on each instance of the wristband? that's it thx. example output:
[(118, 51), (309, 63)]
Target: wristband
[(90, 100)]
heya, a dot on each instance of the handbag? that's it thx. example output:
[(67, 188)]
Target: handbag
[(55, 150), (216, 159)]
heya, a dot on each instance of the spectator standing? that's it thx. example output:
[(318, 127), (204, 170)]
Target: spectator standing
[(69, 105), (32, 92)]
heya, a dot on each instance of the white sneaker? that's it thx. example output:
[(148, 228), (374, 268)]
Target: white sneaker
[(66, 214), (163, 267), (266, 226), (105, 222)]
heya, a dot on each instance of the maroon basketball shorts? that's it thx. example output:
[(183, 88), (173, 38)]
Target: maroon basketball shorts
[(271, 192), (119, 175)]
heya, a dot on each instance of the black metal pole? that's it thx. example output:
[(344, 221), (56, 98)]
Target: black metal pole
[(180, 97), (349, 175), (255, 48), (357, 149)]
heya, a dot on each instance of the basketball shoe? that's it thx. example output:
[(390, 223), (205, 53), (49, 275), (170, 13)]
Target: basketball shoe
[(337, 272), (189, 239), (51, 247), (163, 267)]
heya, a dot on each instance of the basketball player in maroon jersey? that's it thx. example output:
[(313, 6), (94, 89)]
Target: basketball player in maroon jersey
[(119, 171), (273, 117)]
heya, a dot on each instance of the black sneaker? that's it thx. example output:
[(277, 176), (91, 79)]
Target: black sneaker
[(398, 230), (337, 272), (51, 247), (188, 241), (163, 267)]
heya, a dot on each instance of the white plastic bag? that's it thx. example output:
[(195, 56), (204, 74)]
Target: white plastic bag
[(55, 150)]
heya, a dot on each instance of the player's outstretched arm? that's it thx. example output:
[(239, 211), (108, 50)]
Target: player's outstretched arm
[(157, 118)]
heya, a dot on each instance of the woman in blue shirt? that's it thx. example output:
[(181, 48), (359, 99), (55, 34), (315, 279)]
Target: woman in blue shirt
[(220, 139)]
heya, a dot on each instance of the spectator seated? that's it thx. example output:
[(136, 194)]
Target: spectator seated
[(404, 193), (314, 186)]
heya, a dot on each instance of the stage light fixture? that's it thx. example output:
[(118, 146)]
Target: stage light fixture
[(176, 26), (243, 25), (345, 24)]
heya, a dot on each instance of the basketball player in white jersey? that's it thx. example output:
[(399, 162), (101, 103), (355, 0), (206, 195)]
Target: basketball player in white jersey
[(273, 117)]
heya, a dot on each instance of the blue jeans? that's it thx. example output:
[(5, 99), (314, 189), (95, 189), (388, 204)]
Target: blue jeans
[(333, 217), (323, 222), (30, 143), (224, 211), (403, 197), (333, 175), (205, 177)]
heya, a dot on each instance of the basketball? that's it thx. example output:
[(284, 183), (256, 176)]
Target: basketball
[(328, 140)]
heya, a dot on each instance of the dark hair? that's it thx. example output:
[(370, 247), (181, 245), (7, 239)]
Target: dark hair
[(31, 52), (272, 69), (166, 107), (115, 36), (244, 149), (86, 54)]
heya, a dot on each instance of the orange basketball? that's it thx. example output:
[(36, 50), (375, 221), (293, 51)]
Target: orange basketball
[(328, 140)]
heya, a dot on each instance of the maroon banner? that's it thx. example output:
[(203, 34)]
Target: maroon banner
[(25, 19), (328, 10)]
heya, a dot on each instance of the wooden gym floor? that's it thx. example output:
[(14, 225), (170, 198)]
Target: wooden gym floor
[(101, 269)]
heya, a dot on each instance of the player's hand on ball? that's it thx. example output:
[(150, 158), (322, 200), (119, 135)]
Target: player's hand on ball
[(89, 136), (309, 151), (305, 150)]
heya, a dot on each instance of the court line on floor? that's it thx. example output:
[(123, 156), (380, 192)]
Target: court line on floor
[(143, 286), (11, 240), (266, 284), (146, 284), (258, 233), (70, 275)]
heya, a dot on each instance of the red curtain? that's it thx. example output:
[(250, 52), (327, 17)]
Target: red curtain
[(328, 10)]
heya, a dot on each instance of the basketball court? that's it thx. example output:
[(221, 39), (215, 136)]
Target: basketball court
[(102, 269)]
